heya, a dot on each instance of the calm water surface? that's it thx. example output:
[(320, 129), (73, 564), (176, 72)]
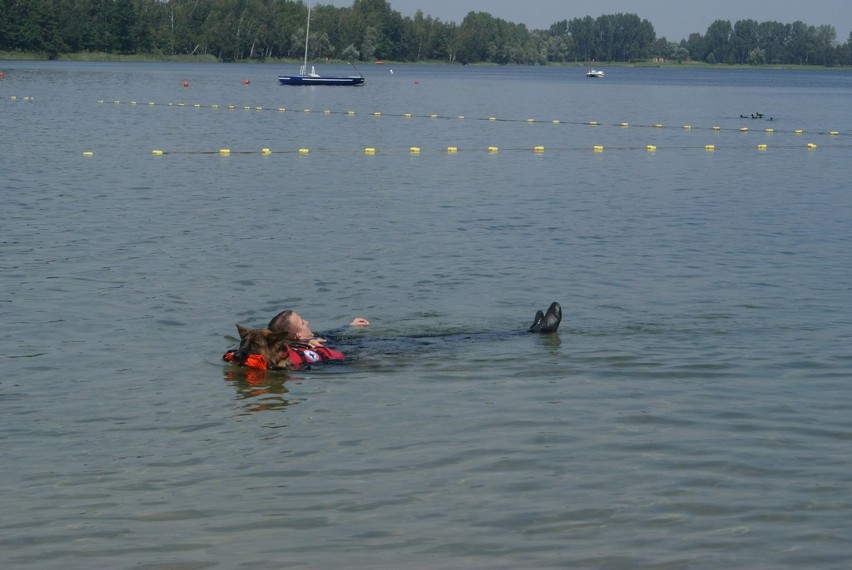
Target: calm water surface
[(694, 410)]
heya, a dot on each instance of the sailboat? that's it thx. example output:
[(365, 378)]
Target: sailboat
[(313, 78)]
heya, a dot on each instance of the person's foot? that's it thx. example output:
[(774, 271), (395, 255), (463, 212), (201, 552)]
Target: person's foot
[(539, 317), (547, 322)]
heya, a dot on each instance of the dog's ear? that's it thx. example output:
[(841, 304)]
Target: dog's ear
[(278, 338), (243, 331)]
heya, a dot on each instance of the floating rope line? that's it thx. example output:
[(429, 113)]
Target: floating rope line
[(491, 150), (531, 121)]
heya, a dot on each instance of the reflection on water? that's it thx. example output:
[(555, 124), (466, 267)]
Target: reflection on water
[(259, 390)]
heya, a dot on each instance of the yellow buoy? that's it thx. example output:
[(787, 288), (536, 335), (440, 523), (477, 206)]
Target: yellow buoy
[(460, 117), (350, 112), (157, 152), (377, 114), (493, 149), (369, 150), (650, 148), (414, 150), (597, 148), (798, 131), (530, 120), (556, 121), (492, 118), (304, 150), (88, 153), (743, 129), (452, 149), (658, 126), (594, 123), (433, 116), (687, 127), (407, 115), (538, 148), (265, 151), (224, 151), (151, 103), (761, 147), (214, 106), (717, 128), (281, 109), (624, 125), (710, 147), (327, 111), (834, 133), (770, 130), (812, 145)]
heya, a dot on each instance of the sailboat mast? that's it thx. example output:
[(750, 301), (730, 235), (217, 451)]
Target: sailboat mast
[(307, 34)]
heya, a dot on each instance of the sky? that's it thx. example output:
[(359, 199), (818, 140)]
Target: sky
[(672, 19)]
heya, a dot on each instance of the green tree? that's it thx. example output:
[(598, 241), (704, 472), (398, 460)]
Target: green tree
[(718, 42), (34, 26), (773, 41), (825, 38), (258, 29), (745, 38), (584, 32), (696, 45), (368, 45), (386, 25)]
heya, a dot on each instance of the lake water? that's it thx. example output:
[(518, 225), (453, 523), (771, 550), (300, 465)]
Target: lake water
[(694, 410)]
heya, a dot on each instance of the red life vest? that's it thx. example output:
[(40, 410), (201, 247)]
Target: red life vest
[(298, 356), (305, 356)]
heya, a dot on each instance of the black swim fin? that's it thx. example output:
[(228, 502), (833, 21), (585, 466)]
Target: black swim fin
[(548, 322)]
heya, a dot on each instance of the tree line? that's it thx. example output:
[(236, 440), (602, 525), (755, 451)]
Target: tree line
[(239, 30)]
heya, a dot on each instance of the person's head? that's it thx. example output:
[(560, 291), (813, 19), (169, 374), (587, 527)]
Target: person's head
[(292, 324)]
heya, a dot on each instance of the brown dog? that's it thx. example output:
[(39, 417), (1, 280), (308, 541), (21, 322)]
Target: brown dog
[(271, 346)]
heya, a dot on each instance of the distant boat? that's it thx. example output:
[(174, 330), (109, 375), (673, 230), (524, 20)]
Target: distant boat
[(594, 73), (313, 78)]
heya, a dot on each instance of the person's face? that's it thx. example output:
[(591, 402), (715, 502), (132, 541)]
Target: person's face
[(299, 328)]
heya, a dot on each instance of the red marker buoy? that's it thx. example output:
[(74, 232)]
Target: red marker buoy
[(186, 83), (246, 82), (2, 74)]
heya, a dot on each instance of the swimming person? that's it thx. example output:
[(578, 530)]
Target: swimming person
[(298, 330), (289, 343)]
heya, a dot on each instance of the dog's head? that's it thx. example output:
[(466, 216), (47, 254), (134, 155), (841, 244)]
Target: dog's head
[(271, 346)]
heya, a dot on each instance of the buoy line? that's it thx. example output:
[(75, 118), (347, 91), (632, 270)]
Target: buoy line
[(530, 121), (491, 150)]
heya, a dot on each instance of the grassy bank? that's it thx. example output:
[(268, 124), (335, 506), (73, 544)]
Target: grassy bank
[(100, 56), (148, 57)]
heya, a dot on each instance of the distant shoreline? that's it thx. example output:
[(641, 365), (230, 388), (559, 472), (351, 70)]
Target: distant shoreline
[(151, 58)]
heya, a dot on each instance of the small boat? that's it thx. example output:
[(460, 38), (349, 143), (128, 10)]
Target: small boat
[(594, 73), (313, 78)]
